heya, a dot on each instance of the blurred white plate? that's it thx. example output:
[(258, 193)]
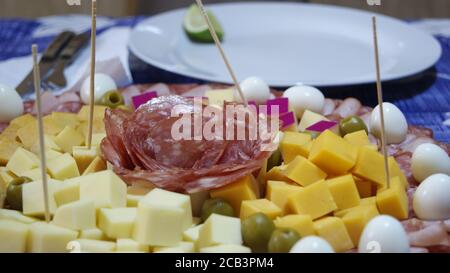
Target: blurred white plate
[(287, 44)]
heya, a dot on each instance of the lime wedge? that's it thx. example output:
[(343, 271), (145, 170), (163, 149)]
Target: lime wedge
[(196, 27)]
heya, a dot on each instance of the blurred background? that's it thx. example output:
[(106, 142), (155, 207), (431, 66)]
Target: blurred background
[(407, 9)]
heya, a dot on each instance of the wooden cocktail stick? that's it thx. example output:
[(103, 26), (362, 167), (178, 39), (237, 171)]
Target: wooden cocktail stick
[(380, 101), (37, 90), (92, 79), (222, 52)]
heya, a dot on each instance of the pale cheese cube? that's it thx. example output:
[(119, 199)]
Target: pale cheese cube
[(310, 118), (98, 164), (84, 156), (33, 197), (117, 222), (220, 230), (96, 246), (6, 214), (68, 192), (226, 249), (129, 245), (13, 236), (50, 154), (48, 238), (63, 167), (191, 234), (68, 138), (93, 234), (219, 97), (133, 200), (181, 247), (105, 188), (77, 215), (34, 174), (22, 161), (49, 144)]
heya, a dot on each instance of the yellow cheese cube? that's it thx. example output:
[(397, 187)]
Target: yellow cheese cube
[(276, 173), (342, 213), (10, 133), (93, 234), (365, 188), (395, 171), (48, 238), (84, 156), (303, 224), (309, 118), (181, 247), (218, 230), (68, 192), (7, 149), (29, 133), (99, 112), (356, 220), (236, 192), (219, 97), (369, 201), (307, 148), (21, 161), (226, 249), (34, 174), (49, 143), (250, 207), (105, 188), (98, 127), (33, 197), (315, 200), (129, 245), (68, 138), (393, 201), (358, 138), (118, 222), (65, 119), (98, 164), (77, 215), (344, 191), (96, 246), (333, 154), (50, 154), (63, 167), (133, 200), (333, 230), (13, 236), (162, 216), (370, 166), (292, 145), (23, 120), (303, 172), (14, 215), (279, 191)]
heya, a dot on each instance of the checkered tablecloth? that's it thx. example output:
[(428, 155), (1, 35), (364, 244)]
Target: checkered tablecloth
[(424, 98)]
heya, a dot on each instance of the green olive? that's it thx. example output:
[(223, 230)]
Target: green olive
[(274, 160), (256, 231), (282, 240), (14, 192), (217, 206), (112, 99), (313, 134), (352, 124)]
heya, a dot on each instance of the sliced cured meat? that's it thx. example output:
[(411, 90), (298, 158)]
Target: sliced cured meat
[(349, 107)]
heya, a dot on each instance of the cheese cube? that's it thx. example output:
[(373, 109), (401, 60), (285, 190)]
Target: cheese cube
[(84, 156), (133, 200), (356, 220), (98, 164), (50, 154), (63, 167), (33, 197), (77, 215), (358, 138), (129, 245), (395, 171), (236, 192), (333, 154), (191, 234), (333, 230), (98, 127), (344, 191), (48, 238), (99, 112), (22, 161), (10, 133), (197, 200), (65, 119), (369, 201), (68, 138), (219, 97), (250, 207), (118, 222), (363, 206), (96, 139), (96, 246), (29, 133), (181, 247), (279, 191), (93, 234), (292, 145), (162, 216), (393, 201), (7, 149), (105, 188), (370, 166), (303, 172), (276, 173), (307, 148), (303, 224), (219, 230), (34, 174), (68, 192), (226, 249), (365, 188), (13, 236), (49, 144), (315, 200), (23, 120), (309, 118), (14, 215)]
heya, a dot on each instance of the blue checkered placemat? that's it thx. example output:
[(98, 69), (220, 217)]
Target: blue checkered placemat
[(424, 98)]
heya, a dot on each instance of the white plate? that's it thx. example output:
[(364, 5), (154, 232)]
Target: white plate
[(287, 44)]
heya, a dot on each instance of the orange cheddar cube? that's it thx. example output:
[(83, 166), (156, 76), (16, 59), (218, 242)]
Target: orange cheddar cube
[(333, 230), (394, 170), (356, 220), (303, 224), (344, 191), (333, 154), (358, 138), (370, 166), (279, 191), (303, 172), (276, 173), (393, 201), (365, 188), (292, 145), (250, 207)]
